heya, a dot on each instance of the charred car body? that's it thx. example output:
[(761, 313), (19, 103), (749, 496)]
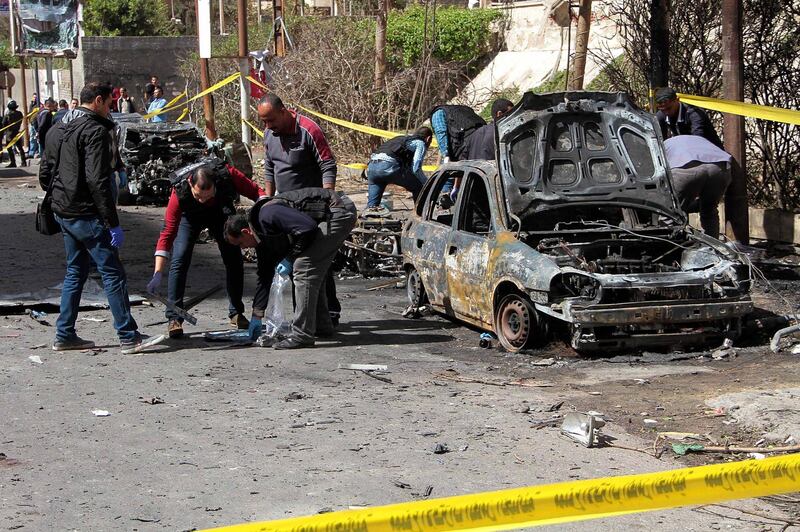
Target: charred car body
[(151, 152), (575, 227)]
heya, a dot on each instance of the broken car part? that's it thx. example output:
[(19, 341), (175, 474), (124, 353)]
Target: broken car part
[(583, 428), (181, 313)]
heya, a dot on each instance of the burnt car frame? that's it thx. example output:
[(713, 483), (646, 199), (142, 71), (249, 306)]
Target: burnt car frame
[(577, 229), (151, 152)]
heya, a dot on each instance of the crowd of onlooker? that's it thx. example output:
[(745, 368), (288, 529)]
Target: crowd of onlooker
[(122, 102)]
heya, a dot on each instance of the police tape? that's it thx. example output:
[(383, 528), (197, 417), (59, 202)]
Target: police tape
[(13, 140), (28, 116), (558, 503), (172, 105), (382, 133), (764, 112)]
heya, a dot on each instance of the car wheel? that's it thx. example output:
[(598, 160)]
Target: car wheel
[(416, 291), (517, 324)]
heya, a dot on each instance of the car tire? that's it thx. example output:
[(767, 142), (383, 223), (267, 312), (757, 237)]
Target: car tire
[(517, 323), (417, 297)]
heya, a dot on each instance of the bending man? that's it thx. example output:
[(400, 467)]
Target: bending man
[(203, 197), (305, 228)]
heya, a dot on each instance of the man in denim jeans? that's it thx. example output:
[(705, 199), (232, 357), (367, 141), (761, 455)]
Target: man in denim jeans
[(397, 161), (83, 202)]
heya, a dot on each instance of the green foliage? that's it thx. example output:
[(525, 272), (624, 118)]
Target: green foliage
[(460, 34), (7, 59), (138, 18), (557, 83), (603, 81)]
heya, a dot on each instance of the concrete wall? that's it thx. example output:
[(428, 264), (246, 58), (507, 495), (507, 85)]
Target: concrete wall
[(61, 88), (130, 61)]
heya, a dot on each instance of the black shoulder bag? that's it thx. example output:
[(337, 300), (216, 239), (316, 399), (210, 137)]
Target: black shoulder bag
[(46, 223)]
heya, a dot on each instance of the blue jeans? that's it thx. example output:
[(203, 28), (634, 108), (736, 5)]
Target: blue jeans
[(182, 248), (382, 173), (86, 239)]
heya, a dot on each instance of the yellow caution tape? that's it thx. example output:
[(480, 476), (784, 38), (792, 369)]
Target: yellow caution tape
[(384, 134), (13, 141), (30, 115), (558, 503), (170, 106), (254, 128), (764, 112), (183, 114)]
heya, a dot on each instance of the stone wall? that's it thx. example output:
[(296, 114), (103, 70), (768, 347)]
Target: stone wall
[(130, 61)]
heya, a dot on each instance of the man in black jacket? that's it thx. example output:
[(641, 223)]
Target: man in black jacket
[(83, 202), (306, 227), (678, 118), (480, 145)]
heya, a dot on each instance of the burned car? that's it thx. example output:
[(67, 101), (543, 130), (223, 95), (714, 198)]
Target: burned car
[(574, 229), (151, 151)]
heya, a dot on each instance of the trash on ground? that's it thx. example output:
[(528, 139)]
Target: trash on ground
[(650, 422), (544, 362), (364, 367), (680, 435), (757, 456), (151, 400), (101, 413), (486, 340), (228, 336), (441, 448), (682, 448), (39, 316), (583, 428), (95, 320), (726, 350), (296, 396), (35, 359)]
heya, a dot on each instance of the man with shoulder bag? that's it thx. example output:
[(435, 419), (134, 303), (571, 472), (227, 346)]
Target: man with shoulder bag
[(79, 178)]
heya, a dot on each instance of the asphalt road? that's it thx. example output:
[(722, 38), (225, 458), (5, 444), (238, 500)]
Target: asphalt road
[(254, 434)]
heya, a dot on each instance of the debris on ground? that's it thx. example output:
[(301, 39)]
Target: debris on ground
[(101, 413), (151, 400), (415, 313), (35, 359), (726, 350), (39, 316), (441, 448), (486, 340), (94, 320), (296, 396), (583, 428), (683, 448)]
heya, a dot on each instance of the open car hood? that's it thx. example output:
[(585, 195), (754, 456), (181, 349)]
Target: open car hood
[(582, 147), (142, 142)]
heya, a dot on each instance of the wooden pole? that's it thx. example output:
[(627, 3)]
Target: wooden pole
[(380, 45), (25, 110), (581, 46), (736, 207), (244, 70), (280, 40)]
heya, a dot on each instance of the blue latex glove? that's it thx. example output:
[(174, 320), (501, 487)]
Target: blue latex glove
[(117, 237), (255, 328), (154, 283), (453, 194), (284, 268), (123, 179)]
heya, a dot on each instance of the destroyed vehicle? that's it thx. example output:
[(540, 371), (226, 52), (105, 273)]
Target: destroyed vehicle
[(577, 230), (151, 152)]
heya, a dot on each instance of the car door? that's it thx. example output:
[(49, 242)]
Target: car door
[(468, 251), (430, 236)]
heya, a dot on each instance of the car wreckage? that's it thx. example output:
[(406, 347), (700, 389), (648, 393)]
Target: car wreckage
[(151, 152), (575, 228)]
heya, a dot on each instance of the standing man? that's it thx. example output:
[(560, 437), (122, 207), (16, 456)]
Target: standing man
[(125, 102), (13, 116), (150, 89), (397, 161), (158, 102), (84, 207), (73, 103), (480, 145), (297, 156), (305, 228), (44, 121), (677, 118), (63, 107), (203, 197), (701, 172)]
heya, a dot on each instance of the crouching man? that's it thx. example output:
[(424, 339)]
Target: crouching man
[(298, 231), (203, 196)]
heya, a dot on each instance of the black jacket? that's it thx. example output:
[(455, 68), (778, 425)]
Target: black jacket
[(10, 118), (50, 152), (396, 148), (83, 178), (690, 121), (480, 144)]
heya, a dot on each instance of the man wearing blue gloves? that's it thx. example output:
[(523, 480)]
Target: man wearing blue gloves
[(397, 161), (84, 205), (306, 227)]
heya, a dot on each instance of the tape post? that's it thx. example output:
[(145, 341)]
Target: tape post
[(558, 503)]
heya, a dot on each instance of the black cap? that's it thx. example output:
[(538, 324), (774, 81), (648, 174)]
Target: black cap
[(665, 93)]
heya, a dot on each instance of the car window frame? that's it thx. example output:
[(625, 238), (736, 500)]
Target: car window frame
[(462, 200), (430, 198)]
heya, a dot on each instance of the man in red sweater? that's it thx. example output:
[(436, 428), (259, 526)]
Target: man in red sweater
[(203, 197)]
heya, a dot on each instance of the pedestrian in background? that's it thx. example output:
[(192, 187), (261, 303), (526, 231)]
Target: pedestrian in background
[(125, 102), (157, 103), (13, 121)]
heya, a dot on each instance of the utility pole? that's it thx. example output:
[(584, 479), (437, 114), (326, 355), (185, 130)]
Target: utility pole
[(380, 45), (244, 70), (208, 103), (277, 17), (25, 110), (736, 207), (221, 18), (659, 47), (581, 46)]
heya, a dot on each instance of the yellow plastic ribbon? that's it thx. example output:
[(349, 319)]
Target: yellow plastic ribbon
[(764, 112), (14, 140), (30, 115)]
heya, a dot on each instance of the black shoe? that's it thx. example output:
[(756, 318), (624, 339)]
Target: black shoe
[(334, 318), (325, 333), (75, 344), (293, 342)]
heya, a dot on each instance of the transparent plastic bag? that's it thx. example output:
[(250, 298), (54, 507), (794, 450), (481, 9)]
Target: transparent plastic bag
[(279, 313)]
